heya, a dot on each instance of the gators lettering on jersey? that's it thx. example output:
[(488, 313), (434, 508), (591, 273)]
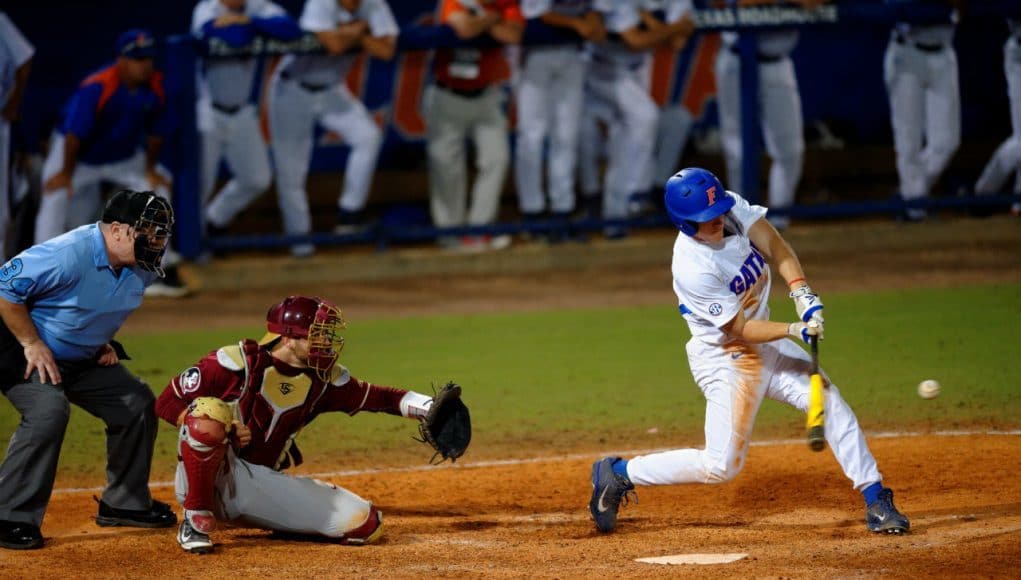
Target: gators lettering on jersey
[(275, 401)]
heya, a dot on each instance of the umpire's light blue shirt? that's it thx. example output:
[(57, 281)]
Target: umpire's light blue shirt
[(75, 298)]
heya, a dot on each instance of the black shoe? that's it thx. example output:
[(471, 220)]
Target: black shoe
[(351, 222), (20, 536), (158, 516)]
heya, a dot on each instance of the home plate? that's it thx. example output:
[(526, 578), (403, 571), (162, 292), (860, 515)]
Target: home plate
[(693, 559)]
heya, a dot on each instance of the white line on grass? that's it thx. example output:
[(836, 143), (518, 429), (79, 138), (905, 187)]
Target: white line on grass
[(571, 457)]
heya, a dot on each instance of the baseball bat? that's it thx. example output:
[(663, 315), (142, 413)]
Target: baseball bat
[(816, 404)]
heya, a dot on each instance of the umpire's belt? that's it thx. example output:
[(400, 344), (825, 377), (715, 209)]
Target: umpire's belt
[(763, 58), (466, 93), (227, 109), (922, 46), (310, 87)]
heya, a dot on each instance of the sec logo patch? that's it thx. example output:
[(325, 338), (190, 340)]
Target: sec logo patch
[(190, 380), (715, 309)]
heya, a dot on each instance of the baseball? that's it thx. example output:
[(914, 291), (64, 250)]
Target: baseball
[(928, 389)]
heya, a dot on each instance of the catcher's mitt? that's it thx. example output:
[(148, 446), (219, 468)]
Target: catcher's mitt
[(447, 426)]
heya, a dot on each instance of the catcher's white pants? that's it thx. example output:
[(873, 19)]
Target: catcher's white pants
[(549, 98), (734, 389), (58, 213), (925, 107), (1007, 159), (236, 138), (257, 496), (780, 117)]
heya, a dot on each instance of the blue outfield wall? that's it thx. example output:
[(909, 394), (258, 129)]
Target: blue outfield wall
[(838, 61)]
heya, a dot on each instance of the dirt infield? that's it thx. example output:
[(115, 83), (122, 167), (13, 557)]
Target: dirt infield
[(791, 511)]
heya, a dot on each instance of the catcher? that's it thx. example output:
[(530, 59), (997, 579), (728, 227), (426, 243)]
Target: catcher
[(242, 406)]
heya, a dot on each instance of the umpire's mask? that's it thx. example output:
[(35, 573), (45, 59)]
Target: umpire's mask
[(152, 218)]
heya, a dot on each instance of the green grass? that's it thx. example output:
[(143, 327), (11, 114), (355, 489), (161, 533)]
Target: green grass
[(539, 382)]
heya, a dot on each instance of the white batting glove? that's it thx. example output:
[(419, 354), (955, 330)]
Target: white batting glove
[(805, 330), (809, 305)]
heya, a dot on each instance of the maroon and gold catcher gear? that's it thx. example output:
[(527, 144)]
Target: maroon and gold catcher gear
[(314, 318)]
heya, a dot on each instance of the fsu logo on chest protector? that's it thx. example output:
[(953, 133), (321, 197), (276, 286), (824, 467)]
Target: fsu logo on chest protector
[(282, 394)]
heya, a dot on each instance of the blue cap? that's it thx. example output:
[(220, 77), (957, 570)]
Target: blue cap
[(136, 43)]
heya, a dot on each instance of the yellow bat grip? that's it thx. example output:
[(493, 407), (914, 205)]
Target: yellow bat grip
[(816, 414)]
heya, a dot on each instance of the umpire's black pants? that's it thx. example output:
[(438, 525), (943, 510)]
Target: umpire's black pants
[(120, 399)]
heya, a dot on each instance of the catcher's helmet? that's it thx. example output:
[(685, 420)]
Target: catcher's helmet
[(314, 318), (151, 216), (694, 196)]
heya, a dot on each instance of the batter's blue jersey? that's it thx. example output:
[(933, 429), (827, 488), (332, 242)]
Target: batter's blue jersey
[(112, 120), (77, 301)]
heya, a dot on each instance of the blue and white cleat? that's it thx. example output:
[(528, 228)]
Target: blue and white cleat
[(882, 516), (608, 489)]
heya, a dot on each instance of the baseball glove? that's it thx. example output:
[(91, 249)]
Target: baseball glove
[(447, 425)]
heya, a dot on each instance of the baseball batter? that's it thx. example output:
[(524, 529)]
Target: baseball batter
[(920, 69), (15, 62), (549, 98), (240, 409), (1006, 160), (737, 354), (227, 119), (310, 89), (779, 109), (617, 84)]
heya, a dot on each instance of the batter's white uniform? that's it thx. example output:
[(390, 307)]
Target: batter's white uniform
[(229, 123), (920, 69), (15, 50), (1007, 159), (310, 89), (549, 98), (713, 283), (617, 86), (779, 110)]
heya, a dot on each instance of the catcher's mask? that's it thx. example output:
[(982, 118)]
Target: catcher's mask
[(152, 218), (314, 318)]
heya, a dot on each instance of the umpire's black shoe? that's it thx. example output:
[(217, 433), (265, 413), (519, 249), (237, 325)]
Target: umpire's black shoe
[(158, 516), (20, 536)]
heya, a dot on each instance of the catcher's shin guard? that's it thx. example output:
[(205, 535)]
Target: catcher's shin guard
[(368, 532), (203, 446)]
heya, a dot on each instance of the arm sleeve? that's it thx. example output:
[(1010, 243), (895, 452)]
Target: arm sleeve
[(81, 110), (36, 272), (382, 21), (357, 395), (208, 378), (319, 15)]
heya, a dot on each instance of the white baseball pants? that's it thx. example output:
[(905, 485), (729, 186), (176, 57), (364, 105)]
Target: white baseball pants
[(734, 389), (925, 107), (780, 116), (549, 99), (1007, 158), (236, 138)]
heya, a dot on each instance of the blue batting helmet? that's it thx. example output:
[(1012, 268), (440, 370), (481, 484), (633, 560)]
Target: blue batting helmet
[(694, 196)]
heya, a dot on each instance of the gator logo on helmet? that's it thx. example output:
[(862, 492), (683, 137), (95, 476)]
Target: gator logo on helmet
[(190, 380), (711, 195)]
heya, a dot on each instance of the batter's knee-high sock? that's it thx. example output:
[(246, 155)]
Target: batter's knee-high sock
[(620, 468), (871, 493), (202, 456)]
